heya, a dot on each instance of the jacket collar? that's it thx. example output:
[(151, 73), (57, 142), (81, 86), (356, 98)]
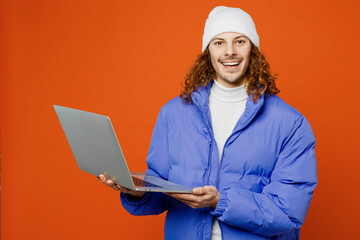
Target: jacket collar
[(200, 99)]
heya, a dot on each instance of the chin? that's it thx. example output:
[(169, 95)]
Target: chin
[(237, 80)]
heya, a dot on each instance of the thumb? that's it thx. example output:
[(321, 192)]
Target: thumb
[(198, 191)]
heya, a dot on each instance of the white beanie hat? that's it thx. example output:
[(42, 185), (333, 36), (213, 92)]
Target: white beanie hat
[(225, 19)]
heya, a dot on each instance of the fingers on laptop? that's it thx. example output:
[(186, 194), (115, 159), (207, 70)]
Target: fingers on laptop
[(131, 192), (126, 190), (108, 182)]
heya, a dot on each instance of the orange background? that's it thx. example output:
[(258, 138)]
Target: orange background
[(126, 59)]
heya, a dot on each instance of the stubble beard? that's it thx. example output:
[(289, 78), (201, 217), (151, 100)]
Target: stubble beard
[(240, 80)]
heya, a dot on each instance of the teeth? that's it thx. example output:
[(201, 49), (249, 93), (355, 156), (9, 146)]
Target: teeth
[(231, 63)]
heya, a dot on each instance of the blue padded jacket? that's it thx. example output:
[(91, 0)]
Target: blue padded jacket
[(265, 178)]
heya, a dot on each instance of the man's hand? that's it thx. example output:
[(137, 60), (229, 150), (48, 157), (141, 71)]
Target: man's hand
[(207, 196), (110, 183)]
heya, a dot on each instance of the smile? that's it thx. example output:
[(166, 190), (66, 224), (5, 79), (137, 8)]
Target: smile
[(230, 63), (231, 66)]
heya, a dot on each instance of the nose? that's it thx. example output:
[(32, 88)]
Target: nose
[(230, 50)]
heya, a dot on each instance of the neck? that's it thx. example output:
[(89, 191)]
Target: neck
[(227, 94)]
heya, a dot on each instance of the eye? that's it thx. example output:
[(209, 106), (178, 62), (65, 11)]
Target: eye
[(240, 41), (219, 43)]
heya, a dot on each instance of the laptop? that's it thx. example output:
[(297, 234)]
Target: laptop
[(96, 149)]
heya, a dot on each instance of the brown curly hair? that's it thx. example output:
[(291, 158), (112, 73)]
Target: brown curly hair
[(260, 80)]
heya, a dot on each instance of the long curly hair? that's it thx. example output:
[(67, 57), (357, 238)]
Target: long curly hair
[(260, 80)]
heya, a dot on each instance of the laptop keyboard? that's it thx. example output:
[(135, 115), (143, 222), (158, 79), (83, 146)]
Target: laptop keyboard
[(142, 183)]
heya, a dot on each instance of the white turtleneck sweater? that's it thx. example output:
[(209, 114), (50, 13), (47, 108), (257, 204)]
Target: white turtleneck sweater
[(226, 106)]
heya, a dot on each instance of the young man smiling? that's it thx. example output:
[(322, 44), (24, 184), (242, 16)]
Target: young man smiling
[(230, 55), (247, 154)]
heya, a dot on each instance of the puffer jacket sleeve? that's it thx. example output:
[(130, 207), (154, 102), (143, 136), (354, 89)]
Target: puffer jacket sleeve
[(284, 202), (158, 165)]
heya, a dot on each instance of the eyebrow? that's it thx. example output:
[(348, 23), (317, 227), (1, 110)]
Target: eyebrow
[(240, 36)]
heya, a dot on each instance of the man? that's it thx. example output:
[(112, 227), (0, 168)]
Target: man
[(248, 155)]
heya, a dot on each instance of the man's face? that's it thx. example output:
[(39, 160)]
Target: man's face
[(230, 55)]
